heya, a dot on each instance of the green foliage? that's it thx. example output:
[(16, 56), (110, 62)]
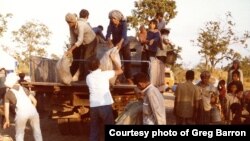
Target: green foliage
[(214, 41), (245, 65), (147, 9), (32, 39), (4, 22)]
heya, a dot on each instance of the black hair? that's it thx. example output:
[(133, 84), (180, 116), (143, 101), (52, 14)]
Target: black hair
[(221, 82), (235, 108), (100, 26), (154, 22), (236, 72), (84, 13), (165, 31), (141, 77), (94, 64), (190, 75), (159, 14)]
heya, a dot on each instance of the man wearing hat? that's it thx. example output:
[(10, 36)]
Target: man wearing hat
[(83, 43), (25, 109)]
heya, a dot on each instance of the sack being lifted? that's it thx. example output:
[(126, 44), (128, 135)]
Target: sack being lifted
[(107, 64), (63, 69)]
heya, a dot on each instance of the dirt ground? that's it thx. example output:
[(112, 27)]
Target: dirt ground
[(50, 127), (50, 131)]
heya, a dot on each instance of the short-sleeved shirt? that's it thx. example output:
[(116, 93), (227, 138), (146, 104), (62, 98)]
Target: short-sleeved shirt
[(98, 83), (10, 96)]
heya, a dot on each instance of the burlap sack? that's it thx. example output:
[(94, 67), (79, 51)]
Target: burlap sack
[(106, 62), (63, 69)]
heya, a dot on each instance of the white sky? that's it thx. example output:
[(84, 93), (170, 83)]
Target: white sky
[(192, 15)]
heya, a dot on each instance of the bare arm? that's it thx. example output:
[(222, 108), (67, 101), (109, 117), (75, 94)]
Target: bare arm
[(6, 114), (119, 45)]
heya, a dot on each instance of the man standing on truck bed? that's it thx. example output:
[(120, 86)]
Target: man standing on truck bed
[(100, 97), (83, 43)]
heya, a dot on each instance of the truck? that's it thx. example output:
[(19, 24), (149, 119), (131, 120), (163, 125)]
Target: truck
[(68, 104)]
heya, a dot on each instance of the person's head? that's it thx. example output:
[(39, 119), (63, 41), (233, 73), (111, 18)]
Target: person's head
[(3, 71), (116, 17), (142, 28), (100, 27), (236, 64), (141, 80), (11, 80), (71, 19), (153, 24), (21, 76), (190, 75), (214, 99), (165, 31), (205, 76), (94, 64), (233, 88), (236, 75), (236, 108), (84, 14), (159, 16), (221, 84)]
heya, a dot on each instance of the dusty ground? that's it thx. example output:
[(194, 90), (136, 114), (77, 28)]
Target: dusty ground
[(51, 132)]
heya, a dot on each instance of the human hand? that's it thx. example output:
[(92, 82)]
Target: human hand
[(110, 44), (151, 42), (6, 124)]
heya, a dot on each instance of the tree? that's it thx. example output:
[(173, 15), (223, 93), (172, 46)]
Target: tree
[(32, 39), (215, 40), (4, 22), (147, 9), (245, 65)]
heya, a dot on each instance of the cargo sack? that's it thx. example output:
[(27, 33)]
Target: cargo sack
[(63, 69), (132, 115), (107, 64)]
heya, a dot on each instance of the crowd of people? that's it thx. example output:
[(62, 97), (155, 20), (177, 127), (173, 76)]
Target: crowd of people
[(203, 103)]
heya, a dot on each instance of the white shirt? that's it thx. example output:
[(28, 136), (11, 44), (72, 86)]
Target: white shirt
[(98, 83)]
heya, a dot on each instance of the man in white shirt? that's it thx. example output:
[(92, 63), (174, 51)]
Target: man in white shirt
[(100, 97), (154, 112)]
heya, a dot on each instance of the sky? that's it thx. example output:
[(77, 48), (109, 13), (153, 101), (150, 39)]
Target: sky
[(192, 15)]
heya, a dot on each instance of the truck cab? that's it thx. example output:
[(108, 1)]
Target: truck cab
[(169, 77)]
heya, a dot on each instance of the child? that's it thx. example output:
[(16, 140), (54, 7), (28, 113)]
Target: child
[(236, 110), (222, 96), (215, 110), (231, 98)]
